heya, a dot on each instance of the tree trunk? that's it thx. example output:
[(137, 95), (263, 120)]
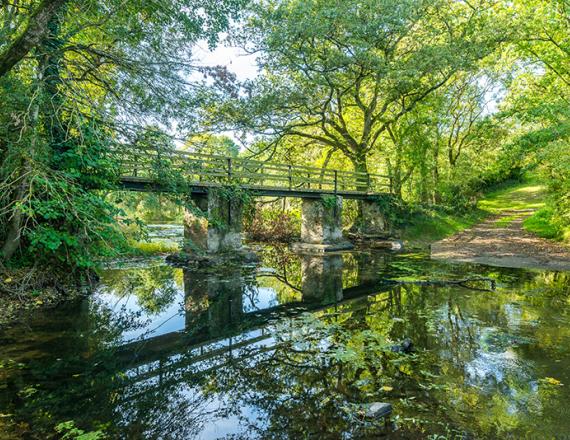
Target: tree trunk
[(51, 58), (36, 30), (360, 166), (436, 198), (14, 233), (15, 227)]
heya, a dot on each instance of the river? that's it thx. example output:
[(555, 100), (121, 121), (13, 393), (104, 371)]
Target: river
[(294, 348)]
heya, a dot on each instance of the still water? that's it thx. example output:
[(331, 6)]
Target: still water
[(295, 348)]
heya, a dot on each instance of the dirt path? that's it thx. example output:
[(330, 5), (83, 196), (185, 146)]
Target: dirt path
[(502, 241)]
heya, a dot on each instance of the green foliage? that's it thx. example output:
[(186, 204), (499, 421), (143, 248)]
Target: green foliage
[(98, 82), (542, 223), (235, 192), (329, 201), (273, 225), (69, 431)]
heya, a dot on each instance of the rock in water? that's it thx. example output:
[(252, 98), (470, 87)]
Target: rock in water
[(378, 410)]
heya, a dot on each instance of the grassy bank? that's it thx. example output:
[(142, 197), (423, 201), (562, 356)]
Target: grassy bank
[(430, 226), (141, 248)]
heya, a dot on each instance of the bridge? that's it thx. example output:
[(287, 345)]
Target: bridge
[(206, 180)]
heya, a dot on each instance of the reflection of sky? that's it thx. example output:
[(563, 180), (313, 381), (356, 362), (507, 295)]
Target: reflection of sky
[(489, 368), (487, 355), (260, 298), (210, 408), (171, 319)]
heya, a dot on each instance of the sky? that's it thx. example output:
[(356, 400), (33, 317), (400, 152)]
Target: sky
[(235, 59)]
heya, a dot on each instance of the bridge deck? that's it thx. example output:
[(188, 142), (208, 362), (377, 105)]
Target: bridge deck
[(152, 170)]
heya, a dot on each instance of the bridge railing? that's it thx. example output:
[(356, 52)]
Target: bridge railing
[(152, 164)]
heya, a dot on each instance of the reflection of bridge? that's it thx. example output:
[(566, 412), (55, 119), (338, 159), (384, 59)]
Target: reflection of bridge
[(215, 313), (203, 177)]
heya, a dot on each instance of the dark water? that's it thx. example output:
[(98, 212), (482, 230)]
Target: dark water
[(293, 350)]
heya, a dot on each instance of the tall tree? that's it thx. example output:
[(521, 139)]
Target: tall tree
[(339, 74), (87, 76)]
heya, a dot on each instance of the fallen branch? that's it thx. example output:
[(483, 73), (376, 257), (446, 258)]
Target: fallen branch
[(462, 283)]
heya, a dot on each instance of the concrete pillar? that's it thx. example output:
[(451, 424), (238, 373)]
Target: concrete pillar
[(225, 226), (321, 278), (373, 221), (321, 226), (218, 229)]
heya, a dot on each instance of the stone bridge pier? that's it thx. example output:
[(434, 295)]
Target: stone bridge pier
[(213, 223), (321, 226), (373, 223), (321, 278)]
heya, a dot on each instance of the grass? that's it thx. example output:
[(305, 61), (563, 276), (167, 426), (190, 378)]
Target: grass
[(435, 226), (540, 223), (139, 248), (524, 195), (506, 221)]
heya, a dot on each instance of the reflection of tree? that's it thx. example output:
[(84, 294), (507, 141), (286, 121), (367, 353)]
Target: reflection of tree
[(155, 288), (318, 372), (477, 369)]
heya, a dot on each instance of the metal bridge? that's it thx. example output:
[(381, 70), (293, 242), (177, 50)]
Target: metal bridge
[(156, 170)]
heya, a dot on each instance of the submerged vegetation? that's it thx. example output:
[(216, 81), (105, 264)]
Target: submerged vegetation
[(484, 364)]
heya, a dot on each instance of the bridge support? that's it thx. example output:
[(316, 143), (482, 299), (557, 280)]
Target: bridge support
[(321, 226), (218, 229), (322, 278), (196, 225), (372, 223)]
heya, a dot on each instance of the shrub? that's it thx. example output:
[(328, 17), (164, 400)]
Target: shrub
[(270, 225)]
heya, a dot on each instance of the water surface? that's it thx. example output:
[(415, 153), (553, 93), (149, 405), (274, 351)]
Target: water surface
[(295, 349)]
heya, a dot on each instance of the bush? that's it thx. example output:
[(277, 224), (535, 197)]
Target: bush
[(542, 224), (275, 226)]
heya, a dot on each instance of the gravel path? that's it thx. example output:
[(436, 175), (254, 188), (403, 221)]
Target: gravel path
[(502, 241)]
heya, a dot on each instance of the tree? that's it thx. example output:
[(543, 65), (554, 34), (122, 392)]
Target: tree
[(538, 100), (340, 74), (37, 28), (96, 74)]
